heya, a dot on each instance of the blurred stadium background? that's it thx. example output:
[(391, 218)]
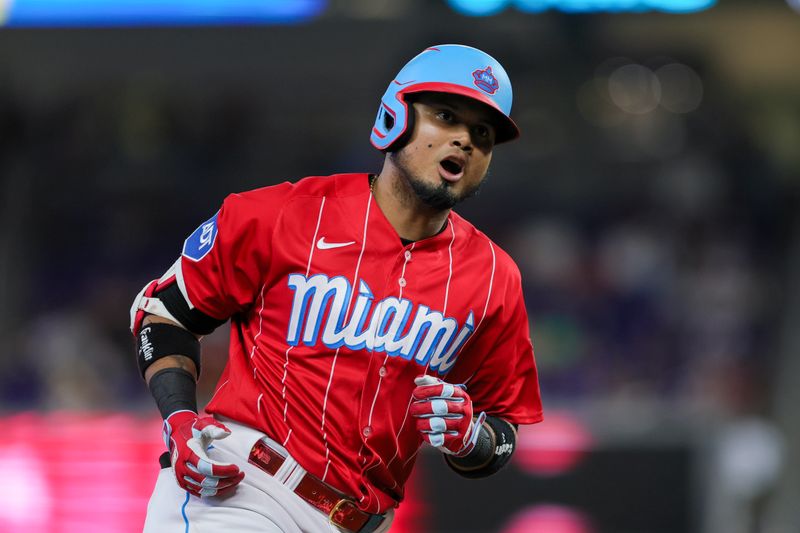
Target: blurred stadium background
[(652, 205)]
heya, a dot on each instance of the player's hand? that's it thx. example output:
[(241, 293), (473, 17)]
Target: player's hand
[(444, 415), (188, 437)]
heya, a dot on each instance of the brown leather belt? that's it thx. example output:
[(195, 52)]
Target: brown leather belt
[(341, 510)]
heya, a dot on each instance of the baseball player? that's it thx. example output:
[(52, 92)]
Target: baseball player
[(367, 318)]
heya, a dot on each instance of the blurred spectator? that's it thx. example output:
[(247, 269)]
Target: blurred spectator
[(78, 356)]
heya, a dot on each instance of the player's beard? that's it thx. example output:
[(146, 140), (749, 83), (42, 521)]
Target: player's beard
[(437, 197)]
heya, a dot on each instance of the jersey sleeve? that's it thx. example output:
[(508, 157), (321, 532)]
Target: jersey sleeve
[(505, 382), (223, 262)]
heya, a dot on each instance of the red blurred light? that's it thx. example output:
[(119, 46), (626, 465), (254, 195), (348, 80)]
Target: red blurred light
[(84, 473), (549, 519), (552, 447)]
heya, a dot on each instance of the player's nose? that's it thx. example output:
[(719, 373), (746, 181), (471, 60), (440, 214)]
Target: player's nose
[(462, 138)]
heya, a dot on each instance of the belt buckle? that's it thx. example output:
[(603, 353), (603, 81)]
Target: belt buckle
[(338, 509)]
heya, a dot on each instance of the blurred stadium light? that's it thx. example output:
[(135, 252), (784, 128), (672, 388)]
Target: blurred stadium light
[(100, 13), (492, 7), (553, 447), (81, 472), (54, 13), (549, 518)]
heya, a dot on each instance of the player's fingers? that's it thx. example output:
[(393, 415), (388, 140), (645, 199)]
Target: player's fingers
[(433, 425), (449, 416), (208, 466), (438, 407), (224, 470), (440, 425), (439, 438), (430, 391), (197, 480), (209, 430), (206, 430), (191, 490), (434, 439), (229, 482), (194, 484), (186, 462), (434, 405), (187, 482), (441, 390), (443, 441), (212, 486), (205, 483), (191, 474), (214, 469), (425, 379)]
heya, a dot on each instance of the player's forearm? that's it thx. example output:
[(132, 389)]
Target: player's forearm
[(171, 361)]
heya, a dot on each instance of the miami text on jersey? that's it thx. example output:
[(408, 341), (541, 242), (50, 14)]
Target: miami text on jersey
[(387, 326)]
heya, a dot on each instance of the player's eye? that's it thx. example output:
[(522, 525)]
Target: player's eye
[(482, 131), (445, 115)]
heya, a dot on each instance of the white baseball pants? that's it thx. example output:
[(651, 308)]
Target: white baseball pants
[(260, 503)]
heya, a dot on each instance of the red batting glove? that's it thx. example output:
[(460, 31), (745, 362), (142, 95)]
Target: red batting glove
[(444, 415), (188, 438)]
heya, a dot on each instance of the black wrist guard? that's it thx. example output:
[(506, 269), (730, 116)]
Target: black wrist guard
[(493, 450), (174, 390), (157, 340)]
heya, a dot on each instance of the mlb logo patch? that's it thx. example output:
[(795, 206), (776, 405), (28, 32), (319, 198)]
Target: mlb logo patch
[(201, 241), (485, 80)]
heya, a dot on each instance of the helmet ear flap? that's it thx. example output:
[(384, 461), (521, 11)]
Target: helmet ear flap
[(404, 137)]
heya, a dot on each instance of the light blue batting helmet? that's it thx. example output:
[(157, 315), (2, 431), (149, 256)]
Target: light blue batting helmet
[(447, 68)]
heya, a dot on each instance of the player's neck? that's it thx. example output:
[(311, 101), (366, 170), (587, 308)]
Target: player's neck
[(410, 218)]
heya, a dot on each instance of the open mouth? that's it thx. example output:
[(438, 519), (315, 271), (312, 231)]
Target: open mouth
[(451, 168)]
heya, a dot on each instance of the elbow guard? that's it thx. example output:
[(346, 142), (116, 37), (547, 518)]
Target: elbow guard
[(189, 317), (492, 451), (165, 298)]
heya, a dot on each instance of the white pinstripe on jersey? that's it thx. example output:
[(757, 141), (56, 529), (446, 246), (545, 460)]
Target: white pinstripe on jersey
[(289, 349), (485, 308), (255, 338), (450, 275), (336, 355)]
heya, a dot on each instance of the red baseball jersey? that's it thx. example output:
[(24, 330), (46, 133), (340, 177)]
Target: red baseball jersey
[(332, 318)]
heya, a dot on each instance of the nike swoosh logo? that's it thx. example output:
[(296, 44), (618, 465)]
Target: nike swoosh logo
[(404, 83), (322, 245)]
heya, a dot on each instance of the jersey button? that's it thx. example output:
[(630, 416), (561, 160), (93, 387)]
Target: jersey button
[(402, 282), (408, 255), (382, 372), (367, 431)]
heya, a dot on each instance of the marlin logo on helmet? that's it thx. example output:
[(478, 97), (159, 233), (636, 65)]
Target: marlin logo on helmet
[(485, 80)]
